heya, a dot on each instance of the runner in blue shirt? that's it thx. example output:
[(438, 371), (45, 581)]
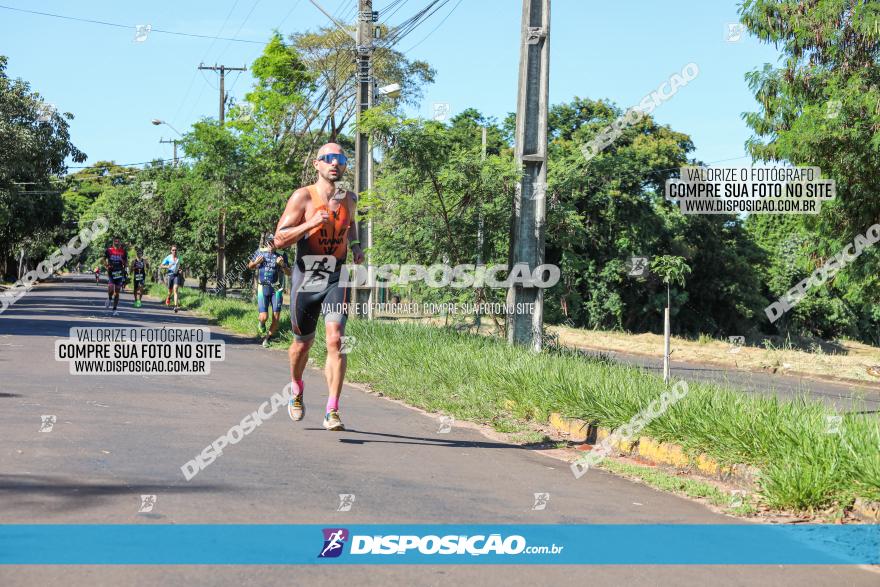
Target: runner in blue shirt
[(271, 267), (175, 276)]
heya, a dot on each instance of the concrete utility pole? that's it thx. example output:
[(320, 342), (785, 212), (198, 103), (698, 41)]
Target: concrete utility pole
[(221, 229), (363, 154), (480, 229), (173, 142), (527, 243)]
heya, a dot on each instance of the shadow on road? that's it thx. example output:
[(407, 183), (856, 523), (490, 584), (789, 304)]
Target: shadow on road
[(450, 443), (57, 493)]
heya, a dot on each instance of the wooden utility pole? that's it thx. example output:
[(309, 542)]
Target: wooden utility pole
[(222, 69), (363, 155), (173, 142), (221, 229), (527, 243)]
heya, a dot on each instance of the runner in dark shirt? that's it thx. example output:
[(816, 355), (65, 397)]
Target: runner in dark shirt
[(115, 261), (271, 267), (139, 274)]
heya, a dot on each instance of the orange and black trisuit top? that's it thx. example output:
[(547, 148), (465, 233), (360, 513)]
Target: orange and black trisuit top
[(330, 238)]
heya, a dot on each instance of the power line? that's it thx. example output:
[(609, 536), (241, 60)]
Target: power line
[(410, 24), (283, 20), (435, 28), (193, 78), (125, 26), (125, 164), (395, 5), (241, 26)]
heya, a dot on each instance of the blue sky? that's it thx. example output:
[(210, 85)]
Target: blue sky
[(620, 51)]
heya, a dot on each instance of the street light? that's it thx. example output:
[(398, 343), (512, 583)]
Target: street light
[(157, 122), (392, 91)]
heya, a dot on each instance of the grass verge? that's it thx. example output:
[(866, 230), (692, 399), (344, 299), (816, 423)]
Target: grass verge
[(738, 504), (805, 465)]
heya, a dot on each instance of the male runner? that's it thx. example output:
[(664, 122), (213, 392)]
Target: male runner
[(97, 275), (175, 276), (270, 284), (115, 261), (139, 272), (319, 219)]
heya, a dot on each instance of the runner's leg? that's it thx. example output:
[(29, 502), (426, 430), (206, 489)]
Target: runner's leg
[(335, 365), (263, 307), (277, 301), (276, 316), (335, 314)]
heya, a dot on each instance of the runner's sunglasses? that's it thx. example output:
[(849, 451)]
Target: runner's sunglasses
[(330, 157)]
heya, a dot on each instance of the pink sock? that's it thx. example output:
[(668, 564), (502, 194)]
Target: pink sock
[(332, 403), (299, 383)]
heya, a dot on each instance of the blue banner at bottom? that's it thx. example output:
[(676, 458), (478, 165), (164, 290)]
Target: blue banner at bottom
[(272, 544)]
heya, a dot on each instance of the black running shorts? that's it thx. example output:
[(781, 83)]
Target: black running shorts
[(316, 293)]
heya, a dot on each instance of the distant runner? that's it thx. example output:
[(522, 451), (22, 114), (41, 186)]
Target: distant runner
[(97, 275), (270, 284), (319, 219), (139, 274), (115, 261), (175, 276)]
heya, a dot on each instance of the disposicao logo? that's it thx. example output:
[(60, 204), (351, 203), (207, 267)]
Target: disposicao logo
[(334, 540)]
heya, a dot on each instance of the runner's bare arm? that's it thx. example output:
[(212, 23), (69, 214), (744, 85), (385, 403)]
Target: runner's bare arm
[(291, 226)]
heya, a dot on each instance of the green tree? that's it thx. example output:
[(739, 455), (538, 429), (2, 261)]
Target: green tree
[(821, 107), (672, 271), (35, 143), (431, 190), (603, 211)]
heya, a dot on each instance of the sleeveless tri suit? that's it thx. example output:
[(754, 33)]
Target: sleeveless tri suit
[(320, 256)]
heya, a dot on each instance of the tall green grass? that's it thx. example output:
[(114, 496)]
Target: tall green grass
[(472, 377)]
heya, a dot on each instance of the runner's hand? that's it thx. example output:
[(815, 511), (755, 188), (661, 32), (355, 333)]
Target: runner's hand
[(318, 219)]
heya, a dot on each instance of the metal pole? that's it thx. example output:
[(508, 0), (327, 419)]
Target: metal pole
[(666, 345), (527, 243)]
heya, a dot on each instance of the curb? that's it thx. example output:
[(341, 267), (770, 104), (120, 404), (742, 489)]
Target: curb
[(660, 453), (867, 511), (667, 453)]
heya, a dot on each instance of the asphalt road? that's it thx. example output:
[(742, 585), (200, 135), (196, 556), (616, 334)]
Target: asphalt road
[(844, 397), (118, 437)]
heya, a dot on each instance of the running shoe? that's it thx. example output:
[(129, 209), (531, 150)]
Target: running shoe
[(116, 312), (332, 421), (266, 342), (296, 408), (168, 301), (176, 308)]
